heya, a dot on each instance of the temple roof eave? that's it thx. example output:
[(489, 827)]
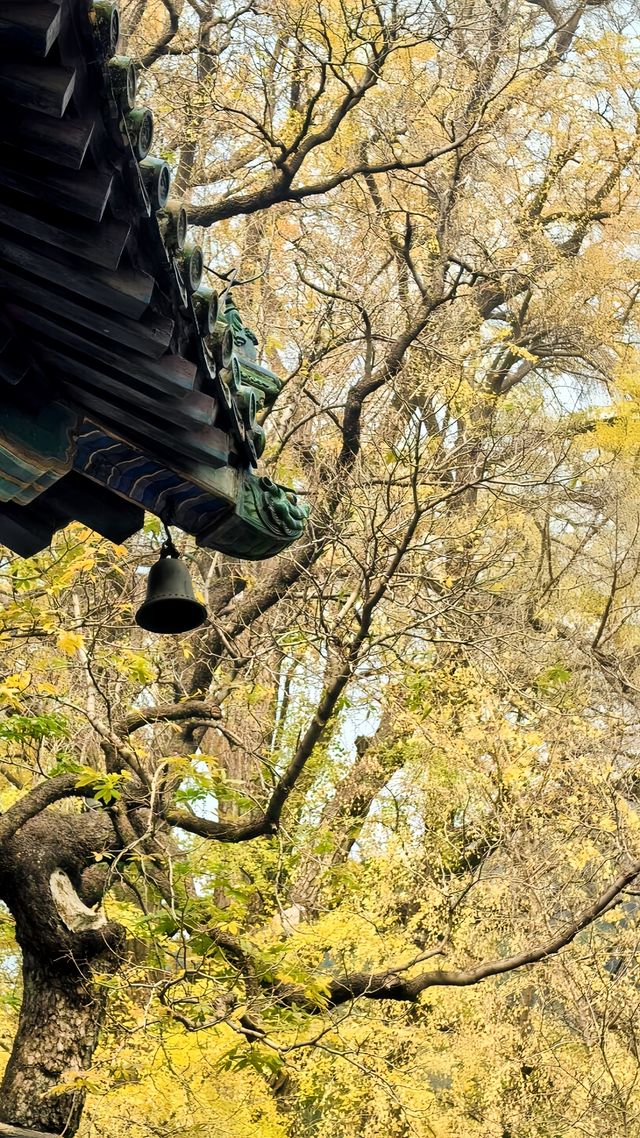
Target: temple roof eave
[(103, 314)]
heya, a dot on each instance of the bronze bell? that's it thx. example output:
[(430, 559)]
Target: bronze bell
[(170, 605)]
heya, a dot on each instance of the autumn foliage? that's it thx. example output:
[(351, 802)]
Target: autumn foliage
[(370, 840)]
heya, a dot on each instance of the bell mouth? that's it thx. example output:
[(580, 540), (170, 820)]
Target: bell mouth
[(171, 617)]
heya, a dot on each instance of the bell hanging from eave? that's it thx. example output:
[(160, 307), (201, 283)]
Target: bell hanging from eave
[(170, 605)]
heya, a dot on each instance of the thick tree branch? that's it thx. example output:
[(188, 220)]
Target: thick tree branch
[(161, 47), (45, 794), (259, 600), (169, 713), (389, 986), (279, 189), (268, 821)]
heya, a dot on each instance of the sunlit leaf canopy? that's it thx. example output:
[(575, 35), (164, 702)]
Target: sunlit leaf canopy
[(438, 208)]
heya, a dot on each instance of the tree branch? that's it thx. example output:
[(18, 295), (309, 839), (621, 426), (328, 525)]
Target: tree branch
[(268, 821), (390, 986), (169, 713), (45, 794), (279, 189), (161, 47)]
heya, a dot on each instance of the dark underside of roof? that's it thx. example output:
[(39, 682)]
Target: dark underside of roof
[(124, 384)]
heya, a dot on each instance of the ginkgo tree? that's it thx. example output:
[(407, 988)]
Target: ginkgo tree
[(282, 853)]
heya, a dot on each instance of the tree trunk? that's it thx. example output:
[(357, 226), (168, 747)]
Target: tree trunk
[(60, 1023), (48, 881)]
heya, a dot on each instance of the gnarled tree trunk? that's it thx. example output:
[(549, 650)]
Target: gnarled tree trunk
[(48, 881), (60, 1021)]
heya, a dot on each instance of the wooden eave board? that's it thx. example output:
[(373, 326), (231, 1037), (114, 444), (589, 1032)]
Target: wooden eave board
[(64, 141), (101, 245), (150, 336), (45, 89), (29, 26)]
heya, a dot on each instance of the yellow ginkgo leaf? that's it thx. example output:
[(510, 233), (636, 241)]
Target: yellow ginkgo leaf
[(69, 642), (18, 681)]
